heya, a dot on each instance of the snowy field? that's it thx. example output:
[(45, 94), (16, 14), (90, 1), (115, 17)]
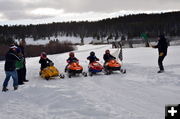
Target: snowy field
[(141, 93), (30, 41)]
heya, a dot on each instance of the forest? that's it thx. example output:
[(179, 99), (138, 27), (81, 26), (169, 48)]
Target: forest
[(123, 27), (129, 25)]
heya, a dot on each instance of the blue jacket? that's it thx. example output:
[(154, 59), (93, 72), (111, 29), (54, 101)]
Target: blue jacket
[(92, 59)]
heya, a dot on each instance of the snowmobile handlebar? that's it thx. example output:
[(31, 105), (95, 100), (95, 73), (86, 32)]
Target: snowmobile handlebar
[(51, 64)]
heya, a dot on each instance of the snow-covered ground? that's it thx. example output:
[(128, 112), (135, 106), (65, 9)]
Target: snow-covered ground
[(140, 94), (30, 41)]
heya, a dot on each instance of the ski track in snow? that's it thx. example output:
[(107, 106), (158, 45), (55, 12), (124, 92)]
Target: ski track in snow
[(139, 94)]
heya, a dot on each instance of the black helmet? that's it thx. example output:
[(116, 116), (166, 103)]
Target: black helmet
[(92, 53), (107, 52)]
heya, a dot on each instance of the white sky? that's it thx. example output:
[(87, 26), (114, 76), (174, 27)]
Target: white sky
[(45, 11)]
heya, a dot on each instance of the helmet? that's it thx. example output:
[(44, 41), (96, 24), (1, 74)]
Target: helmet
[(92, 53), (107, 52), (71, 54), (43, 55)]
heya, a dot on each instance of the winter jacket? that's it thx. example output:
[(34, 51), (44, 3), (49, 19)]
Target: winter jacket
[(162, 46), (108, 57), (20, 64), (71, 59), (92, 59), (44, 62), (10, 61), (22, 49)]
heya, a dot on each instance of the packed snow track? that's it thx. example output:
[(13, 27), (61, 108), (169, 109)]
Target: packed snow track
[(141, 93)]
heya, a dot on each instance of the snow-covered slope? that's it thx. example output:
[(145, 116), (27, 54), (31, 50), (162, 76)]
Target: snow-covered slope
[(139, 94), (30, 41)]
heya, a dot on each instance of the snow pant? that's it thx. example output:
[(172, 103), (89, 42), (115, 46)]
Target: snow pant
[(20, 76), (8, 76), (160, 62)]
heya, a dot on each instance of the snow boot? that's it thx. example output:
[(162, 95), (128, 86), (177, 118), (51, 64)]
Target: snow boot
[(25, 80), (4, 89), (15, 87), (20, 83), (160, 71)]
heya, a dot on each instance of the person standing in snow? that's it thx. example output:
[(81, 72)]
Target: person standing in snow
[(10, 68), (21, 46), (162, 49), (20, 67)]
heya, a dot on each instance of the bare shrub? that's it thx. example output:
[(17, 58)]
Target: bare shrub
[(53, 47)]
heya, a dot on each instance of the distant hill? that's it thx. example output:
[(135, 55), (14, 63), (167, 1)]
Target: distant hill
[(129, 25)]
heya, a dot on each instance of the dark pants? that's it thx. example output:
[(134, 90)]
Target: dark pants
[(160, 62), (20, 76), (24, 73)]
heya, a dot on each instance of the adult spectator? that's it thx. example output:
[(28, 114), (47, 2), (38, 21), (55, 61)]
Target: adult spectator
[(162, 49), (10, 68)]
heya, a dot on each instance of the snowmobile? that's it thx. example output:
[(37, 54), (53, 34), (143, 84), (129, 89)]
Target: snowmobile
[(51, 72), (113, 65), (94, 68), (74, 69)]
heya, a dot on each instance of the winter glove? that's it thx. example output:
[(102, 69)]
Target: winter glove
[(161, 54)]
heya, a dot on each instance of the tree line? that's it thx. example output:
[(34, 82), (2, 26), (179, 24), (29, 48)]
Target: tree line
[(128, 25)]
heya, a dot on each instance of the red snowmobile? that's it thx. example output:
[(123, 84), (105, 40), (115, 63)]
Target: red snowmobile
[(75, 68), (113, 65), (95, 67)]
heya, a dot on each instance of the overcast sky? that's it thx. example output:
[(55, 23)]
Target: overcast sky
[(45, 11)]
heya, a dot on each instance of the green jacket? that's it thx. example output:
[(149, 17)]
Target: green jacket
[(20, 64)]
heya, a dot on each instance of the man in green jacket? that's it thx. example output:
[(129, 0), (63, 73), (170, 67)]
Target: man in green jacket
[(19, 68)]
